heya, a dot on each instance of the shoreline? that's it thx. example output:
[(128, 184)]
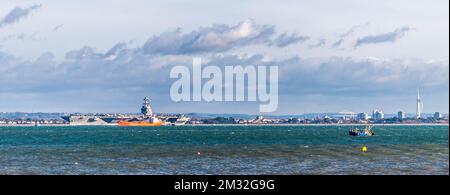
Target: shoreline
[(353, 124), (206, 125)]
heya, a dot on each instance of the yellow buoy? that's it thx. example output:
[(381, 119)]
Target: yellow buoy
[(364, 149)]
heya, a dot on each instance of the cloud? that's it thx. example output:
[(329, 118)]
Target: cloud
[(124, 72), (353, 29), (362, 77), (348, 33), (56, 28), (285, 40), (320, 43), (122, 67), (217, 38), (346, 76), (17, 14), (338, 43), (383, 38), (22, 37)]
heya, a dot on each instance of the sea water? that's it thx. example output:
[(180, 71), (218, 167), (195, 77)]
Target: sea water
[(223, 150)]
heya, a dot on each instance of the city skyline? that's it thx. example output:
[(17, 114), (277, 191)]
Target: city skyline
[(65, 57)]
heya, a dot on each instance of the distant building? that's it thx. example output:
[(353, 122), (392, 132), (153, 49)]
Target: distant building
[(437, 115), (362, 116), (259, 118), (346, 115), (377, 115), (401, 115)]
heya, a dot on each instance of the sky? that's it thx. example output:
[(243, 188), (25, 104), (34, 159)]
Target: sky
[(333, 56)]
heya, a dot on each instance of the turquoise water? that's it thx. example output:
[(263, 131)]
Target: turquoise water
[(223, 150)]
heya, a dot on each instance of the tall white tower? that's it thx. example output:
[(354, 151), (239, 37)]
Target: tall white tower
[(419, 108)]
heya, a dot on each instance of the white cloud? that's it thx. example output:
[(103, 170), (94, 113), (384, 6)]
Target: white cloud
[(216, 38)]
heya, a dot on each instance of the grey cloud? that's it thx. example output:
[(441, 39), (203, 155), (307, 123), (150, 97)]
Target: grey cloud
[(17, 14), (351, 77), (320, 43), (56, 28), (216, 38), (353, 29), (133, 72), (350, 32), (86, 52), (338, 43), (123, 71), (124, 67), (338, 76), (285, 40), (22, 37), (383, 38)]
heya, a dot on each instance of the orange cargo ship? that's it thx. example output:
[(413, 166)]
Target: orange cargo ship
[(141, 123), (146, 120)]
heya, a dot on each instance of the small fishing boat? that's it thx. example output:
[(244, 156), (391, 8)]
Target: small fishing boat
[(367, 131)]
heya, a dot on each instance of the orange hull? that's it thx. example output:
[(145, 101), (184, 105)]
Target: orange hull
[(139, 124)]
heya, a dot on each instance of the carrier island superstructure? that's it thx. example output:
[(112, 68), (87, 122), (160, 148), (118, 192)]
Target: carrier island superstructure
[(146, 118)]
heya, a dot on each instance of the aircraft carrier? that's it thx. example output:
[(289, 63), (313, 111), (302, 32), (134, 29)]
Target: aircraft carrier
[(116, 119)]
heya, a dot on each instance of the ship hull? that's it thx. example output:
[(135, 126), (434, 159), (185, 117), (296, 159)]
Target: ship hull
[(139, 124)]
